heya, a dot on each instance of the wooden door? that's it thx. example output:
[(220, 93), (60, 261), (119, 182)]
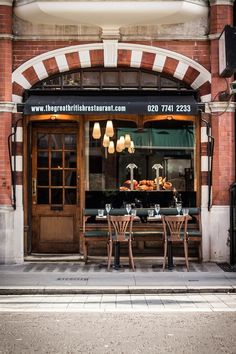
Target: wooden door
[(55, 189)]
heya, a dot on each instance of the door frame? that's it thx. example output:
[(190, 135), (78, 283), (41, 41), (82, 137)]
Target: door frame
[(28, 125)]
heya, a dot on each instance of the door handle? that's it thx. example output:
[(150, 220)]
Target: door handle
[(34, 184)]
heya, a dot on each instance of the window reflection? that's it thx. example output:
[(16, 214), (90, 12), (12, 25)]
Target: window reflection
[(56, 178), (70, 159), (42, 141), (70, 178), (42, 159), (170, 144), (70, 196), (56, 196), (56, 159), (70, 141), (56, 141), (42, 196), (57, 168), (43, 177)]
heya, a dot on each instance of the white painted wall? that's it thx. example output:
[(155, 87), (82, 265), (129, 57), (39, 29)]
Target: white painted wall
[(12, 232), (215, 234)]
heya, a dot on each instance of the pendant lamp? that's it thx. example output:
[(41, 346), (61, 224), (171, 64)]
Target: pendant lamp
[(127, 140), (109, 129), (106, 141), (96, 131), (111, 147)]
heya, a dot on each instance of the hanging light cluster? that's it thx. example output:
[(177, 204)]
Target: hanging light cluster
[(121, 143)]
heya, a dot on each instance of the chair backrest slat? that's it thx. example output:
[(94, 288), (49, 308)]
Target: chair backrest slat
[(174, 226), (120, 227)]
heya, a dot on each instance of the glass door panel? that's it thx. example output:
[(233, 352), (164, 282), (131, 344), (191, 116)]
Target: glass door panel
[(55, 189), (56, 167)]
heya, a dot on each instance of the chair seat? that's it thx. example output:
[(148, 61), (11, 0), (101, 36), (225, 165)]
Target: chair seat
[(126, 239), (195, 233)]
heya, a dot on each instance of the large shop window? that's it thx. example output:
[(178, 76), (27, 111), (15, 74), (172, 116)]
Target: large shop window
[(169, 143)]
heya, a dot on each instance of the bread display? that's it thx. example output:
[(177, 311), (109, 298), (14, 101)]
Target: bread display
[(147, 185), (127, 184)]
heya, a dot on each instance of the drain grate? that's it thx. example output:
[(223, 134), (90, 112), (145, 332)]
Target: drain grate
[(226, 267)]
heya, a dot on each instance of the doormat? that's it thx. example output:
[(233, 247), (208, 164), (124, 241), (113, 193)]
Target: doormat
[(226, 267)]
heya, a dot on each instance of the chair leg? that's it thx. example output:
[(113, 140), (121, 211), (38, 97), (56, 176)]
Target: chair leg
[(165, 254), (85, 247), (186, 254), (109, 252), (131, 256)]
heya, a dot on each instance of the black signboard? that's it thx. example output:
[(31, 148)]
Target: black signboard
[(97, 104), (227, 53)]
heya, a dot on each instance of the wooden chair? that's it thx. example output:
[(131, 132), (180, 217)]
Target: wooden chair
[(175, 230), (120, 231)]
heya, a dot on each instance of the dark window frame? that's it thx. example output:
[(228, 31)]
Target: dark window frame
[(61, 85)]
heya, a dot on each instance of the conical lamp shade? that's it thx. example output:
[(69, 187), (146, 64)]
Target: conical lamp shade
[(111, 147), (106, 141), (131, 149), (96, 131), (109, 129), (118, 146), (122, 142), (127, 140)]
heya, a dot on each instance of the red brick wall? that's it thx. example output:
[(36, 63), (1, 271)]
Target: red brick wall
[(5, 19), (5, 53), (5, 96), (5, 70), (196, 50), (222, 124), (221, 15), (224, 158), (26, 50)]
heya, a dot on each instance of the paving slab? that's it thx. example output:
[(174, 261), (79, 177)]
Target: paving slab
[(78, 278)]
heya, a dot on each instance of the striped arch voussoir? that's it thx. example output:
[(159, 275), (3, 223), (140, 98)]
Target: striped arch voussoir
[(112, 55)]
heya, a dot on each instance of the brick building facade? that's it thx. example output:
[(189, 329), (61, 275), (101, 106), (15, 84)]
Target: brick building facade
[(36, 47)]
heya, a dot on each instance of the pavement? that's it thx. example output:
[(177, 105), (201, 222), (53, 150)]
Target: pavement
[(74, 277)]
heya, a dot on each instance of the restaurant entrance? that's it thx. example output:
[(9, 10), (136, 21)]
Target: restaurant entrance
[(70, 170), (55, 192)]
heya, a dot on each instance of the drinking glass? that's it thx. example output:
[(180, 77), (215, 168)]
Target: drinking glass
[(157, 208), (100, 212), (134, 212), (128, 208), (178, 207), (150, 213), (185, 211), (108, 208)]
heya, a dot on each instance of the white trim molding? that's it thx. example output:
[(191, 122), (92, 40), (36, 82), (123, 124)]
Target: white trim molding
[(222, 2), (6, 2), (7, 107)]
